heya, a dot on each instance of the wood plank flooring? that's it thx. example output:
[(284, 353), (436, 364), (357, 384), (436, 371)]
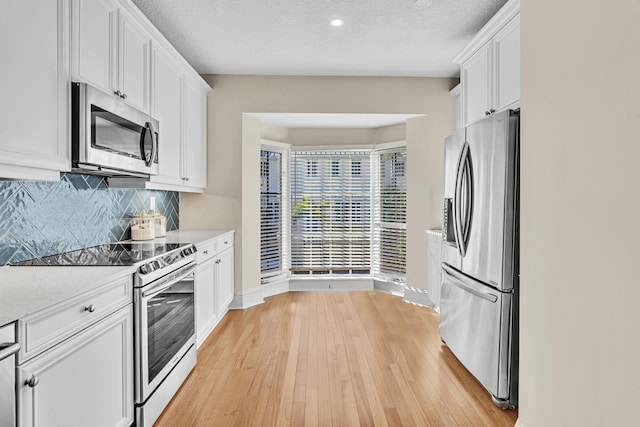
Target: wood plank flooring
[(330, 359)]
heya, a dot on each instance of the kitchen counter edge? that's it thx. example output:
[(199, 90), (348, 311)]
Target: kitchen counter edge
[(27, 290)]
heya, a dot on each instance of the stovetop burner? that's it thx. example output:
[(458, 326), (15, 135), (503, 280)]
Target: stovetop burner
[(115, 254)]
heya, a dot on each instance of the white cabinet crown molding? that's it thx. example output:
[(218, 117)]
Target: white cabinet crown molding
[(159, 38), (499, 20)]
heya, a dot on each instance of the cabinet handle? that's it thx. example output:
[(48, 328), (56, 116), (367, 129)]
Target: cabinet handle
[(217, 261), (33, 381), (124, 96), (117, 92), (226, 242), (90, 308), (489, 112), (187, 179), (205, 252)]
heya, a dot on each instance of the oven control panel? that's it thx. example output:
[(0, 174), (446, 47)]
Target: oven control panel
[(166, 260)]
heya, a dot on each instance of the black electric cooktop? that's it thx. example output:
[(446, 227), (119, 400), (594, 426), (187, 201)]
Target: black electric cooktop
[(115, 254)]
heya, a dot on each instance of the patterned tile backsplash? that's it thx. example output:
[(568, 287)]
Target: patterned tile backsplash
[(45, 218)]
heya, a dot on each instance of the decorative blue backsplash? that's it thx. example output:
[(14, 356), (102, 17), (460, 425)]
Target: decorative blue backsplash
[(45, 218)]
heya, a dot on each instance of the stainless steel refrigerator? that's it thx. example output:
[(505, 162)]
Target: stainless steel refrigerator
[(480, 268)]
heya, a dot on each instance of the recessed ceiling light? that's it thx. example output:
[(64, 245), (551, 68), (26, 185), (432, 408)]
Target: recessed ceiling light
[(421, 4), (337, 22)]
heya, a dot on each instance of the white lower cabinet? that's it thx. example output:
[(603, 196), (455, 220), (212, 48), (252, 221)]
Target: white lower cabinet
[(224, 280), (87, 380), (214, 284), (206, 315)]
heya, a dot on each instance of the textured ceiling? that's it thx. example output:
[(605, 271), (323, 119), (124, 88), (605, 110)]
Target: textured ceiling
[(293, 37)]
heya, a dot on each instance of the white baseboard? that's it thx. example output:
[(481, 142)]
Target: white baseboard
[(518, 423), (392, 288), (247, 299), (257, 295), (275, 288), (332, 284), (417, 296)]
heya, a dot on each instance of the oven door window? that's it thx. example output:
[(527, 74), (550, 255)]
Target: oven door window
[(115, 134), (170, 324)]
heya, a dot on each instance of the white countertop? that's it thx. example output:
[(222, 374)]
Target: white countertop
[(190, 236), (26, 290)]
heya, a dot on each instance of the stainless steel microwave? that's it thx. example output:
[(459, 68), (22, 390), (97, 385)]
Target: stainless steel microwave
[(110, 137)]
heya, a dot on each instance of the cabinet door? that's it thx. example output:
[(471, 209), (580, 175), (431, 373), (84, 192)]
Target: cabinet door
[(35, 76), (506, 48), (133, 63), (94, 43), (86, 380), (224, 280), (195, 142), (205, 299), (476, 85), (167, 108)]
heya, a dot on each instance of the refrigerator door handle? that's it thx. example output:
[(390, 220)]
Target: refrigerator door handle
[(457, 198), (459, 281), (468, 212)]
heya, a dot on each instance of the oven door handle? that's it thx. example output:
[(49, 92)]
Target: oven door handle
[(169, 280), (8, 349)]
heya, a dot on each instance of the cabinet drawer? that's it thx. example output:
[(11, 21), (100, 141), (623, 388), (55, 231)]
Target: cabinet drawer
[(42, 330), (224, 242), (85, 381), (206, 250)]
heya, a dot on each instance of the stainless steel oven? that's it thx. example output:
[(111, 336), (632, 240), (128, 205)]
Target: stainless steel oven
[(165, 350), (164, 326), (110, 137)]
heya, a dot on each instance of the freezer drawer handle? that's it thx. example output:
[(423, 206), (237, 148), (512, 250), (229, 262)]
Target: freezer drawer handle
[(458, 281)]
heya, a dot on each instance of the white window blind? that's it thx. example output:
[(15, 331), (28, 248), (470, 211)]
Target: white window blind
[(390, 214), (273, 212), (331, 212)]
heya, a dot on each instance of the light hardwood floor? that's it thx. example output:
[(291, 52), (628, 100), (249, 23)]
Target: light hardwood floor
[(330, 359)]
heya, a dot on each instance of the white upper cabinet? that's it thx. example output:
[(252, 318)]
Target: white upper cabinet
[(490, 66), (110, 51), (506, 48), (195, 119), (180, 105), (93, 50), (477, 84), (133, 62), (167, 91), (457, 106), (35, 76)]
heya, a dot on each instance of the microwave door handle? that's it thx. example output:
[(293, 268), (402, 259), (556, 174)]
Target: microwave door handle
[(154, 144), (148, 127)]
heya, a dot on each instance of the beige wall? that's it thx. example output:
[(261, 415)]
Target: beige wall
[(231, 198), (309, 137), (274, 133), (580, 197)]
